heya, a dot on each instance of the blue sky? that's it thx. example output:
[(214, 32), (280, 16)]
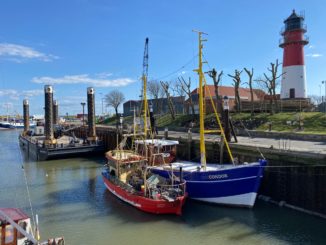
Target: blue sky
[(80, 43)]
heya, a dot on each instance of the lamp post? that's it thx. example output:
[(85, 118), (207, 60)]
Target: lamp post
[(324, 82), (121, 122), (83, 105), (102, 98)]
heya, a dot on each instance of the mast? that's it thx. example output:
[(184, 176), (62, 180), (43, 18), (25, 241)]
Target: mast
[(144, 77), (201, 104)]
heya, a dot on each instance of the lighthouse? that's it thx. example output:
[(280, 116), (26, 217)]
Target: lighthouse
[(293, 85)]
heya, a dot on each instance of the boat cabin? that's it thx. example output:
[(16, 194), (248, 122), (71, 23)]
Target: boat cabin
[(158, 151), (9, 235)]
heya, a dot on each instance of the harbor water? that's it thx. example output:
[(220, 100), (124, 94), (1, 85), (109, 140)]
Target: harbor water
[(71, 200)]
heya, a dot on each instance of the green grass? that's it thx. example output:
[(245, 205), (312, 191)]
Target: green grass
[(313, 122), (112, 120), (179, 121)]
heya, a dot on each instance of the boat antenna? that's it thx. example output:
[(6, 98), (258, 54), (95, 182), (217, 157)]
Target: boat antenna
[(199, 70)]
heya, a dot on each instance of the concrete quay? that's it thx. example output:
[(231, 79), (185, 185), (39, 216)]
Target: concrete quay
[(308, 148)]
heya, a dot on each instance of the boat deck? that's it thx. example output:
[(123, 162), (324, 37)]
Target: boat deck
[(188, 166)]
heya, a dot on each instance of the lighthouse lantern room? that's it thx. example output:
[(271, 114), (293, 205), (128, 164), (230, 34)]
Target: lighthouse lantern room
[(293, 85)]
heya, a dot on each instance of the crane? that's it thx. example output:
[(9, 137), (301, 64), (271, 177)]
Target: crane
[(144, 78)]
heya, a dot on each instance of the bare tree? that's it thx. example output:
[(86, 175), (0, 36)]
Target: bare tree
[(183, 85), (217, 78), (315, 99), (236, 83), (270, 82), (166, 88), (156, 92), (250, 75), (114, 99)]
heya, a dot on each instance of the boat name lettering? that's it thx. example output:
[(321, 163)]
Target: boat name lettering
[(218, 176)]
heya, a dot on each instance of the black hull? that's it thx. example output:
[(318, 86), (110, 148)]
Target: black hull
[(38, 152)]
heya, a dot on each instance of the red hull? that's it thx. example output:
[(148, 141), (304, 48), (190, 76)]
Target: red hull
[(146, 204)]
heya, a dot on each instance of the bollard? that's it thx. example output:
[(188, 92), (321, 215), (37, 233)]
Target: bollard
[(226, 119), (189, 144), (26, 116), (91, 115), (55, 112), (48, 115), (166, 133)]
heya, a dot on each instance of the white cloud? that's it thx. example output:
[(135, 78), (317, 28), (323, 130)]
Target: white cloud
[(84, 78), (311, 46), (316, 55), (32, 93), (181, 73), (14, 94), (18, 53), (103, 75), (9, 93), (7, 105)]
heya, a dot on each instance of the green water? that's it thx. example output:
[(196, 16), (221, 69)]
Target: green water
[(71, 200)]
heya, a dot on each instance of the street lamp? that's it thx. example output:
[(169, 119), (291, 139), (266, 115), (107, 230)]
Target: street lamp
[(121, 122), (102, 98), (83, 105), (324, 82)]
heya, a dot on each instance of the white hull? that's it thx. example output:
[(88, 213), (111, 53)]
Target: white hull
[(243, 200)]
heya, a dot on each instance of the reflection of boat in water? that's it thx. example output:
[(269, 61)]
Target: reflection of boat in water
[(15, 124), (16, 229), (129, 178), (228, 184)]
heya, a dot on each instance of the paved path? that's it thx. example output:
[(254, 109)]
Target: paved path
[(283, 144)]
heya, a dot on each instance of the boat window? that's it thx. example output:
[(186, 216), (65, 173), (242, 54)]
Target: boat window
[(9, 234), (22, 224)]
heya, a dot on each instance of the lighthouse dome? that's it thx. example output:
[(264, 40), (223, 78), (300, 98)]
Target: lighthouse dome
[(294, 22)]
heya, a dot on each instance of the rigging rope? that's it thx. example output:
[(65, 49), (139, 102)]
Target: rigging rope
[(222, 131), (26, 183), (250, 137), (179, 69)]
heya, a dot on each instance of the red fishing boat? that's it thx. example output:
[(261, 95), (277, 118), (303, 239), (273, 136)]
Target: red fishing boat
[(128, 177)]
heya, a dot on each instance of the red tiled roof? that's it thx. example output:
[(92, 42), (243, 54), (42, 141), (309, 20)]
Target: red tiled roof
[(229, 91)]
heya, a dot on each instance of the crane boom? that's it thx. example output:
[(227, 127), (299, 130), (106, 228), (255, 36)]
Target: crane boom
[(144, 78)]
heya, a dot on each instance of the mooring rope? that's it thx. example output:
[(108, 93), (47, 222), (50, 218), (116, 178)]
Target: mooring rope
[(250, 137), (26, 182)]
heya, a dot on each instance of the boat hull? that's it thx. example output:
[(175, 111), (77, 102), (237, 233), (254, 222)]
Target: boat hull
[(233, 186), (143, 203)]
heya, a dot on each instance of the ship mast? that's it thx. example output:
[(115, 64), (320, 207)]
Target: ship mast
[(144, 78), (201, 99)]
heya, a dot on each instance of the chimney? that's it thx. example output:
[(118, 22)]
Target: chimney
[(49, 138), (91, 114), (26, 115), (55, 112)]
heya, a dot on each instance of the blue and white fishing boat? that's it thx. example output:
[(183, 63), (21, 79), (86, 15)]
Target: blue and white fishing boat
[(227, 184), (15, 124)]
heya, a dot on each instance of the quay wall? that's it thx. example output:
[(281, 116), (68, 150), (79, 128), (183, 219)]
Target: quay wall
[(105, 134), (293, 179)]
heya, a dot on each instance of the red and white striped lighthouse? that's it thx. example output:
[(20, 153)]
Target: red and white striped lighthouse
[(294, 70)]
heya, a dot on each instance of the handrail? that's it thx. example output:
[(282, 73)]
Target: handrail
[(284, 40), (160, 188)]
